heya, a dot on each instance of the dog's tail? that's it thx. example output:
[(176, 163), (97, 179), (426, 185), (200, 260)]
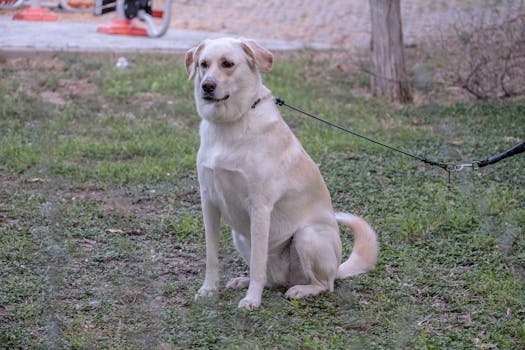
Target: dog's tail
[(364, 253)]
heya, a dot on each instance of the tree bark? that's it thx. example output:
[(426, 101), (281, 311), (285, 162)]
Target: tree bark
[(388, 75)]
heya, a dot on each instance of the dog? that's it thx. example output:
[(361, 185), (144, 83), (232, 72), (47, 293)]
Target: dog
[(255, 175)]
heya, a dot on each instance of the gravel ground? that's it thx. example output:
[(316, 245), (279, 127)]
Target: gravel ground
[(340, 22), (345, 23)]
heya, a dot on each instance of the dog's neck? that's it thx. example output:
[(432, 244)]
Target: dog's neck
[(224, 114), (264, 93), (213, 132)]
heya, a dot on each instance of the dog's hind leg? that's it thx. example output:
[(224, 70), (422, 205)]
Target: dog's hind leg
[(318, 252), (243, 246)]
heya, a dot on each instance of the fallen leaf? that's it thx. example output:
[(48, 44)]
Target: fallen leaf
[(456, 142), (124, 232), (114, 231), (415, 122), (342, 67)]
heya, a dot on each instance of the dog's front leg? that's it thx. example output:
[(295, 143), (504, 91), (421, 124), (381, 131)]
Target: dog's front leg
[(212, 218), (260, 229)]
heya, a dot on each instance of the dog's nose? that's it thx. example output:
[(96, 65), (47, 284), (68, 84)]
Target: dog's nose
[(208, 86)]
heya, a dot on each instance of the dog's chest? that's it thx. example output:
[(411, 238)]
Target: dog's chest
[(226, 185)]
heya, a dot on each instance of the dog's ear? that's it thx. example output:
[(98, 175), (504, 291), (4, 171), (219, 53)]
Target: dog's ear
[(190, 62), (262, 58), (192, 59)]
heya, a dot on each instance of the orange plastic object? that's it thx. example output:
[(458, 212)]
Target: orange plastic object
[(80, 4), (157, 13), (35, 14), (122, 27)]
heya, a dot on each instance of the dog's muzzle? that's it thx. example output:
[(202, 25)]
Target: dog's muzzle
[(208, 87)]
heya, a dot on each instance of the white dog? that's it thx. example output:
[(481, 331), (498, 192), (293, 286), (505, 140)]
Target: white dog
[(255, 175)]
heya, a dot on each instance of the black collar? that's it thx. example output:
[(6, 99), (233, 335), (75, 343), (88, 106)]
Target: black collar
[(256, 103)]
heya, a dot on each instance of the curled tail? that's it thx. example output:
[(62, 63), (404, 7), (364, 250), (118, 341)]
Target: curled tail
[(364, 253)]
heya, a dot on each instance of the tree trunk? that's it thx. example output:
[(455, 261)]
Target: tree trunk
[(388, 76)]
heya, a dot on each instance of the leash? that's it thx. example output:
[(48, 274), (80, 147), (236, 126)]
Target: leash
[(448, 167)]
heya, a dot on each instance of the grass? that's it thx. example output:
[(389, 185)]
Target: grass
[(101, 239)]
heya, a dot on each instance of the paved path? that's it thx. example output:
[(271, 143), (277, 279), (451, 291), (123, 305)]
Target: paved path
[(70, 36), (279, 25)]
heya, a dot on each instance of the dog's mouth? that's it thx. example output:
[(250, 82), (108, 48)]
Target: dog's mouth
[(213, 99)]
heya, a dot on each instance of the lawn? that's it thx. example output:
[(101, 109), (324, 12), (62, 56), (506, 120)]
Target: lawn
[(101, 236)]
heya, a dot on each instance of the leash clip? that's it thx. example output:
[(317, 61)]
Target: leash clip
[(279, 101), (460, 167)]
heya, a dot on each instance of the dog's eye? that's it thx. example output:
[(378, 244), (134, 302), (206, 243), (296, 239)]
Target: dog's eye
[(204, 64), (227, 64)]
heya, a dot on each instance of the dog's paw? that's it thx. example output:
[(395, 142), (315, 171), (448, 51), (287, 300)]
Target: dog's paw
[(295, 292), (249, 303), (238, 283), (301, 291), (205, 292)]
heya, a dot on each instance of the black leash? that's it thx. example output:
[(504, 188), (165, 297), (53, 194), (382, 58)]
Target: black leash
[(519, 148), (448, 167)]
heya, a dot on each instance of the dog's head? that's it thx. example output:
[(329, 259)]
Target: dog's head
[(227, 79)]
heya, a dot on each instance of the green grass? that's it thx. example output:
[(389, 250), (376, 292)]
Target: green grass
[(101, 236)]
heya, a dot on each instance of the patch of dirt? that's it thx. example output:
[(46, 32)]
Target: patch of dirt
[(80, 87), (68, 88), (93, 193), (37, 82), (52, 97), (121, 203), (150, 99), (23, 64)]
